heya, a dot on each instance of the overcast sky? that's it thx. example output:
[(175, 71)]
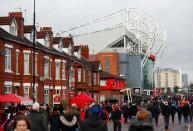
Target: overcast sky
[(175, 15)]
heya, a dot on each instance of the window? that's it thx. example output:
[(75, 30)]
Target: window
[(31, 36), (50, 69), (89, 78), (46, 41), (58, 70), (107, 65), (13, 30), (7, 89), (26, 92), (17, 62), (70, 49), (46, 96), (79, 74), (58, 91), (103, 82), (63, 71), (84, 75), (46, 69), (63, 93), (7, 59), (95, 78), (26, 64)]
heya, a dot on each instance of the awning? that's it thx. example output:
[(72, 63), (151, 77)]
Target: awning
[(15, 99), (81, 100)]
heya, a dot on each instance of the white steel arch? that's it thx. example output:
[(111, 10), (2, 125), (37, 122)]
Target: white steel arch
[(150, 35)]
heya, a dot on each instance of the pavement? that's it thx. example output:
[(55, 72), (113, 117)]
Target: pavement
[(161, 127)]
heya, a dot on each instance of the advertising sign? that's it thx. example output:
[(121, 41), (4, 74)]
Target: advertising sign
[(56, 99)]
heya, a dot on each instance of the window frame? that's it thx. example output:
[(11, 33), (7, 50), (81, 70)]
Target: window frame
[(6, 91), (26, 69), (79, 74), (26, 87), (58, 70), (46, 67)]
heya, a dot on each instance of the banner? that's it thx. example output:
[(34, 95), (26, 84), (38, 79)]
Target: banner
[(56, 99)]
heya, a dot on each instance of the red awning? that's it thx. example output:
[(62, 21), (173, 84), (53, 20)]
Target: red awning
[(15, 99), (81, 100)]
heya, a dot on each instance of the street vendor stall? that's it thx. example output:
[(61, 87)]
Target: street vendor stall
[(12, 98), (81, 100)]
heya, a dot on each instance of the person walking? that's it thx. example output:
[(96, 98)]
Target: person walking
[(185, 111), (191, 111), (166, 113), (157, 112), (68, 120), (141, 123), (37, 119), (133, 111), (173, 112), (179, 111), (54, 120), (116, 118), (94, 122), (125, 110)]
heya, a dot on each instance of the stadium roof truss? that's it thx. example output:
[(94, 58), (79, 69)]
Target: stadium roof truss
[(146, 35)]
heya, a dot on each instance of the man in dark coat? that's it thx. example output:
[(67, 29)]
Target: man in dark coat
[(133, 111), (54, 120), (125, 110), (173, 112), (166, 113), (37, 119), (116, 117), (185, 111), (94, 122), (141, 126)]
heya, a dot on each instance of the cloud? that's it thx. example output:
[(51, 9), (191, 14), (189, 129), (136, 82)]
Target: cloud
[(175, 15)]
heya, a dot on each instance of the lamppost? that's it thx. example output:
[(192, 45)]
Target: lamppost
[(34, 45)]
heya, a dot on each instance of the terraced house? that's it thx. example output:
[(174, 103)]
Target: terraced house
[(60, 67)]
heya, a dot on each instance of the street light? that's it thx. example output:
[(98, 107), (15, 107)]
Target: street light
[(34, 29)]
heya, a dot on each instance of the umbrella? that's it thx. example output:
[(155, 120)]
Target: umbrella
[(15, 99)]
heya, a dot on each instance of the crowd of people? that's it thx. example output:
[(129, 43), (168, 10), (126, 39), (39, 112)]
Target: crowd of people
[(140, 115)]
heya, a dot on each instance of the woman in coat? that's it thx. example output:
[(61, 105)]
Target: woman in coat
[(54, 120), (68, 120), (142, 123)]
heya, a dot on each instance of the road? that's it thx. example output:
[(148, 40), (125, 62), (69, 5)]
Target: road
[(161, 127)]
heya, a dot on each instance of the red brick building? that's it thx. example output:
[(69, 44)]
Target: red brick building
[(55, 59), (111, 85)]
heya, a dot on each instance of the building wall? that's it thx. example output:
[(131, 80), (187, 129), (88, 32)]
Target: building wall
[(172, 73), (113, 61)]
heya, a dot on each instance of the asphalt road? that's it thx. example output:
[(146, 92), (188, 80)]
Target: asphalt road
[(161, 127)]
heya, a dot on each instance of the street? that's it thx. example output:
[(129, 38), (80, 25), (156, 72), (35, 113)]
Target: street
[(161, 127)]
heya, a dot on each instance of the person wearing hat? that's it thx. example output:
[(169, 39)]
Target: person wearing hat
[(37, 119), (94, 122)]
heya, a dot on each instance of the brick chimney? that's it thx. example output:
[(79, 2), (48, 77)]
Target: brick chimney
[(49, 30), (20, 21), (84, 51)]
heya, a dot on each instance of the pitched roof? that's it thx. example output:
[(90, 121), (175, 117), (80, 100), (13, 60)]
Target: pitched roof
[(76, 48), (6, 20), (56, 40), (23, 41), (28, 28), (106, 75), (95, 64)]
